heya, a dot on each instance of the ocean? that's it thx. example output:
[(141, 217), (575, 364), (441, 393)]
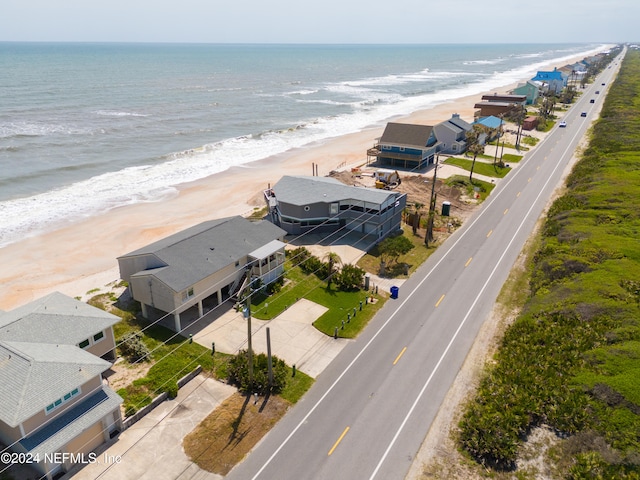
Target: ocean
[(88, 127)]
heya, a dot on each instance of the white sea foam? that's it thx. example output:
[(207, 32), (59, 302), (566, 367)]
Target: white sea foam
[(115, 113), (38, 129), (372, 102)]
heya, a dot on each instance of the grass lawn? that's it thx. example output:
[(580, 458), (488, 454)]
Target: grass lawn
[(481, 168), (477, 187), (312, 288), (229, 433), (416, 257)]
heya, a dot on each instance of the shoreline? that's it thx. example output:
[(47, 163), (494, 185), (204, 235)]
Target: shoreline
[(82, 256)]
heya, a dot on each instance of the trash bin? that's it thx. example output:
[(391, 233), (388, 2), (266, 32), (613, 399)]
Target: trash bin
[(446, 208), (394, 292)]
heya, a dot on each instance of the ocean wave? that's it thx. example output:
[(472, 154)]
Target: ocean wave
[(495, 61), (116, 113), (38, 129), (372, 104)]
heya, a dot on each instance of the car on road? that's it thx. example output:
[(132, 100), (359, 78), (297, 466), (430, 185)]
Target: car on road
[(583, 114), (603, 84), (562, 124), (597, 92), (593, 100)]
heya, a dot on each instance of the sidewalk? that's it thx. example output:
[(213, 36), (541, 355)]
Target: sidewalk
[(151, 449)]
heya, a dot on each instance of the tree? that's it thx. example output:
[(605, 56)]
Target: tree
[(392, 247), (332, 260), (474, 145), (238, 373), (349, 278), (416, 216)]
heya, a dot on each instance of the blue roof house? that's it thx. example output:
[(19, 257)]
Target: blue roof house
[(553, 81)]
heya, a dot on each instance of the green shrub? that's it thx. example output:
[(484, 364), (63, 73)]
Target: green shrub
[(238, 373), (132, 347), (350, 278)]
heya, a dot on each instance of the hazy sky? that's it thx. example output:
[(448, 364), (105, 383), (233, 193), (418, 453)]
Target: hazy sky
[(321, 21)]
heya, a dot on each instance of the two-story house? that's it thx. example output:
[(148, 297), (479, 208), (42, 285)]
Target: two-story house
[(205, 263), (54, 405), (300, 204), (452, 135), (405, 145)]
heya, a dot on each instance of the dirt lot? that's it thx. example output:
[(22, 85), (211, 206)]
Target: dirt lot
[(418, 189)]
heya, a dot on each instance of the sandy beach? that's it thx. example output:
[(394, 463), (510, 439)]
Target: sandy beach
[(82, 256)]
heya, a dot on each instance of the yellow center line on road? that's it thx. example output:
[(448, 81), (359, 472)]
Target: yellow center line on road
[(505, 212), (529, 179), (468, 262), (338, 441), (489, 234), (400, 355), (518, 194), (441, 298)]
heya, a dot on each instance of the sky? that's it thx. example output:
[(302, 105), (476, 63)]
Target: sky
[(326, 21)]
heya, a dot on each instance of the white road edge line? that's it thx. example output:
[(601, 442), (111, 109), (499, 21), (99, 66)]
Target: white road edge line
[(355, 359), (455, 335)]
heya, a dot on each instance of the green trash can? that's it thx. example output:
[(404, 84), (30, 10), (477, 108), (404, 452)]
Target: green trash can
[(446, 209)]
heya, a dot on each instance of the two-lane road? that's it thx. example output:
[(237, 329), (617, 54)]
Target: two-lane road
[(368, 413)]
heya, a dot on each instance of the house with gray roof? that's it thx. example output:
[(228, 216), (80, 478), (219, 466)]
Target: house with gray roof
[(52, 397), (202, 266), (404, 145), (452, 135), (300, 204)]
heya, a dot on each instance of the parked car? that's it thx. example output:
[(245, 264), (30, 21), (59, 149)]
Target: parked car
[(562, 124), (583, 114)]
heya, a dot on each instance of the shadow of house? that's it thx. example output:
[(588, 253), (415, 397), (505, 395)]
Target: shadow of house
[(202, 266)]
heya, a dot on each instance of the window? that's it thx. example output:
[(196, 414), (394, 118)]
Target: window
[(84, 343), (187, 294), (333, 209), (98, 336), (52, 406)]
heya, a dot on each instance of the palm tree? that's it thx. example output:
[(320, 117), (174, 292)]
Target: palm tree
[(474, 145), (416, 216), (332, 260)]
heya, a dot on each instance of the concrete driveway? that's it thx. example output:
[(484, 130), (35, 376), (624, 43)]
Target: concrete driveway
[(294, 339), (151, 449)]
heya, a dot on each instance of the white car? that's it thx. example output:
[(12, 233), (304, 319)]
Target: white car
[(562, 124)]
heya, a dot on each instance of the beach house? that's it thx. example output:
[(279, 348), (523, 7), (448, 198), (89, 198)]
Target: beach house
[(202, 266), (529, 89), (406, 146), (324, 205), (553, 81), (54, 404), (452, 135)]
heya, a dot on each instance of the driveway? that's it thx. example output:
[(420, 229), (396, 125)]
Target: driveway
[(151, 449), (294, 339)]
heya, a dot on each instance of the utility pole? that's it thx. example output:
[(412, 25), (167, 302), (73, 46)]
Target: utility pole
[(247, 315), (269, 360), (432, 205)]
